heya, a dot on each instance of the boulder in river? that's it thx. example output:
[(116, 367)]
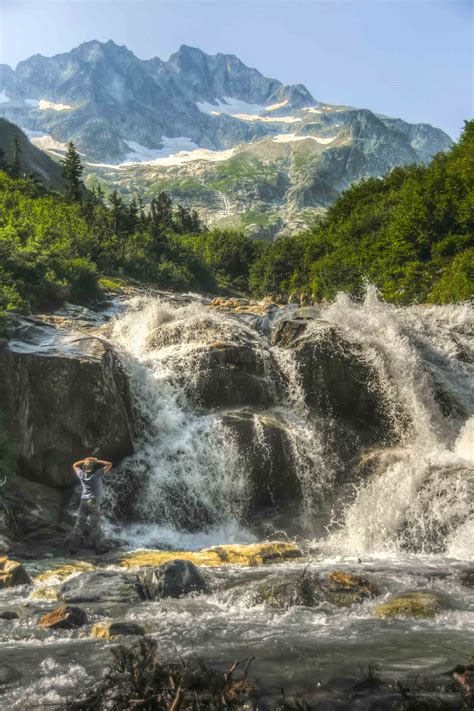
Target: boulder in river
[(343, 589), (176, 578), (100, 586), (12, 573), (419, 603), (66, 617), (308, 589), (60, 406), (109, 630)]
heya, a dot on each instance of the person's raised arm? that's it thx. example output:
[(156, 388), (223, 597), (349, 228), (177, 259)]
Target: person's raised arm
[(76, 465), (107, 465)]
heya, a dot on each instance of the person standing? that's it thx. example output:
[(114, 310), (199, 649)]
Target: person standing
[(90, 472)]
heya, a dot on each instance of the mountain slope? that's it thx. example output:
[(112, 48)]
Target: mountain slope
[(217, 133), (32, 159)]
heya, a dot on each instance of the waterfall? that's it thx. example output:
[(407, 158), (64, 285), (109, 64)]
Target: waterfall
[(196, 470), (420, 496)]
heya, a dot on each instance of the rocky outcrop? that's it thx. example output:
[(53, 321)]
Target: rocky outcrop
[(61, 406)]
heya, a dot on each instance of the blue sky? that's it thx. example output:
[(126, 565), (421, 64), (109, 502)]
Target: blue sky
[(408, 58)]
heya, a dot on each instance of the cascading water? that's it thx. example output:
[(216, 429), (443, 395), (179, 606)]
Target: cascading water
[(195, 476), (422, 498)]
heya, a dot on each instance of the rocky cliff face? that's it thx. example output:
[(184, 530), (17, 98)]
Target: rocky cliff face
[(247, 150)]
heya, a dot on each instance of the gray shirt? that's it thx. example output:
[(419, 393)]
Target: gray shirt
[(91, 483)]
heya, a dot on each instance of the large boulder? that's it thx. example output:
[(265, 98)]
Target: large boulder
[(338, 381), (60, 406), (176, 578), (36, 507), (269, 459), (231, 374), (100, 586)]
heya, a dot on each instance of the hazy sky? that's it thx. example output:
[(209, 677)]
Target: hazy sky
[(408, 58)]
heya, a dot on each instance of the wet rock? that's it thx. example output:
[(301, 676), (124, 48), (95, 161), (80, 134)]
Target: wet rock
[(59, 406), (229, 375), (344, 589), (109, 630), (308, 589), (418, 604), (37, 507), (176, 578), (12, 573), (338, 382), (65, 570), (65, 617), (466, 578), (266, 450), (9, 615), (100, 586), (254, 554), (303, 588), (8, 674)]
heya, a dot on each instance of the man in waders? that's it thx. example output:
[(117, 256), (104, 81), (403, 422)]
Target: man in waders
[(90, 471)]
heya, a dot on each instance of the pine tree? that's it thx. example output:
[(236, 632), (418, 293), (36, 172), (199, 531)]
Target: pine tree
[(15, 168), (72, 170)]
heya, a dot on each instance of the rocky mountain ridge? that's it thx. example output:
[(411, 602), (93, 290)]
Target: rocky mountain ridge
[(247, 150)]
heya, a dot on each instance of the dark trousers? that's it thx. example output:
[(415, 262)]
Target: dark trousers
[(88, 515)]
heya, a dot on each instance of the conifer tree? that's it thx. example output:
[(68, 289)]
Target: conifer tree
[(72, 170), (15, 167)]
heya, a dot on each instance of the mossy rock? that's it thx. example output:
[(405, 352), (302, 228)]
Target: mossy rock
[(344, 589), (304, 589), (418, 604), (64, 571), (12, 573), (110, 630), (247, 555)]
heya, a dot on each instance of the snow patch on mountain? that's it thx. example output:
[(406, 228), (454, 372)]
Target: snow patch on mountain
[(275, 107), (45, 105), (229, 106), (46, 142), (267, 119), (171, 146), (292, 137)]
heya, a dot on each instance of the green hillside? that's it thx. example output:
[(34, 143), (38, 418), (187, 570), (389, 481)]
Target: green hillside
[(31, 160), (410, 233)]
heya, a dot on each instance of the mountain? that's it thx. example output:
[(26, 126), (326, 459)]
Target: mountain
[(248, 150), (32, 159)]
